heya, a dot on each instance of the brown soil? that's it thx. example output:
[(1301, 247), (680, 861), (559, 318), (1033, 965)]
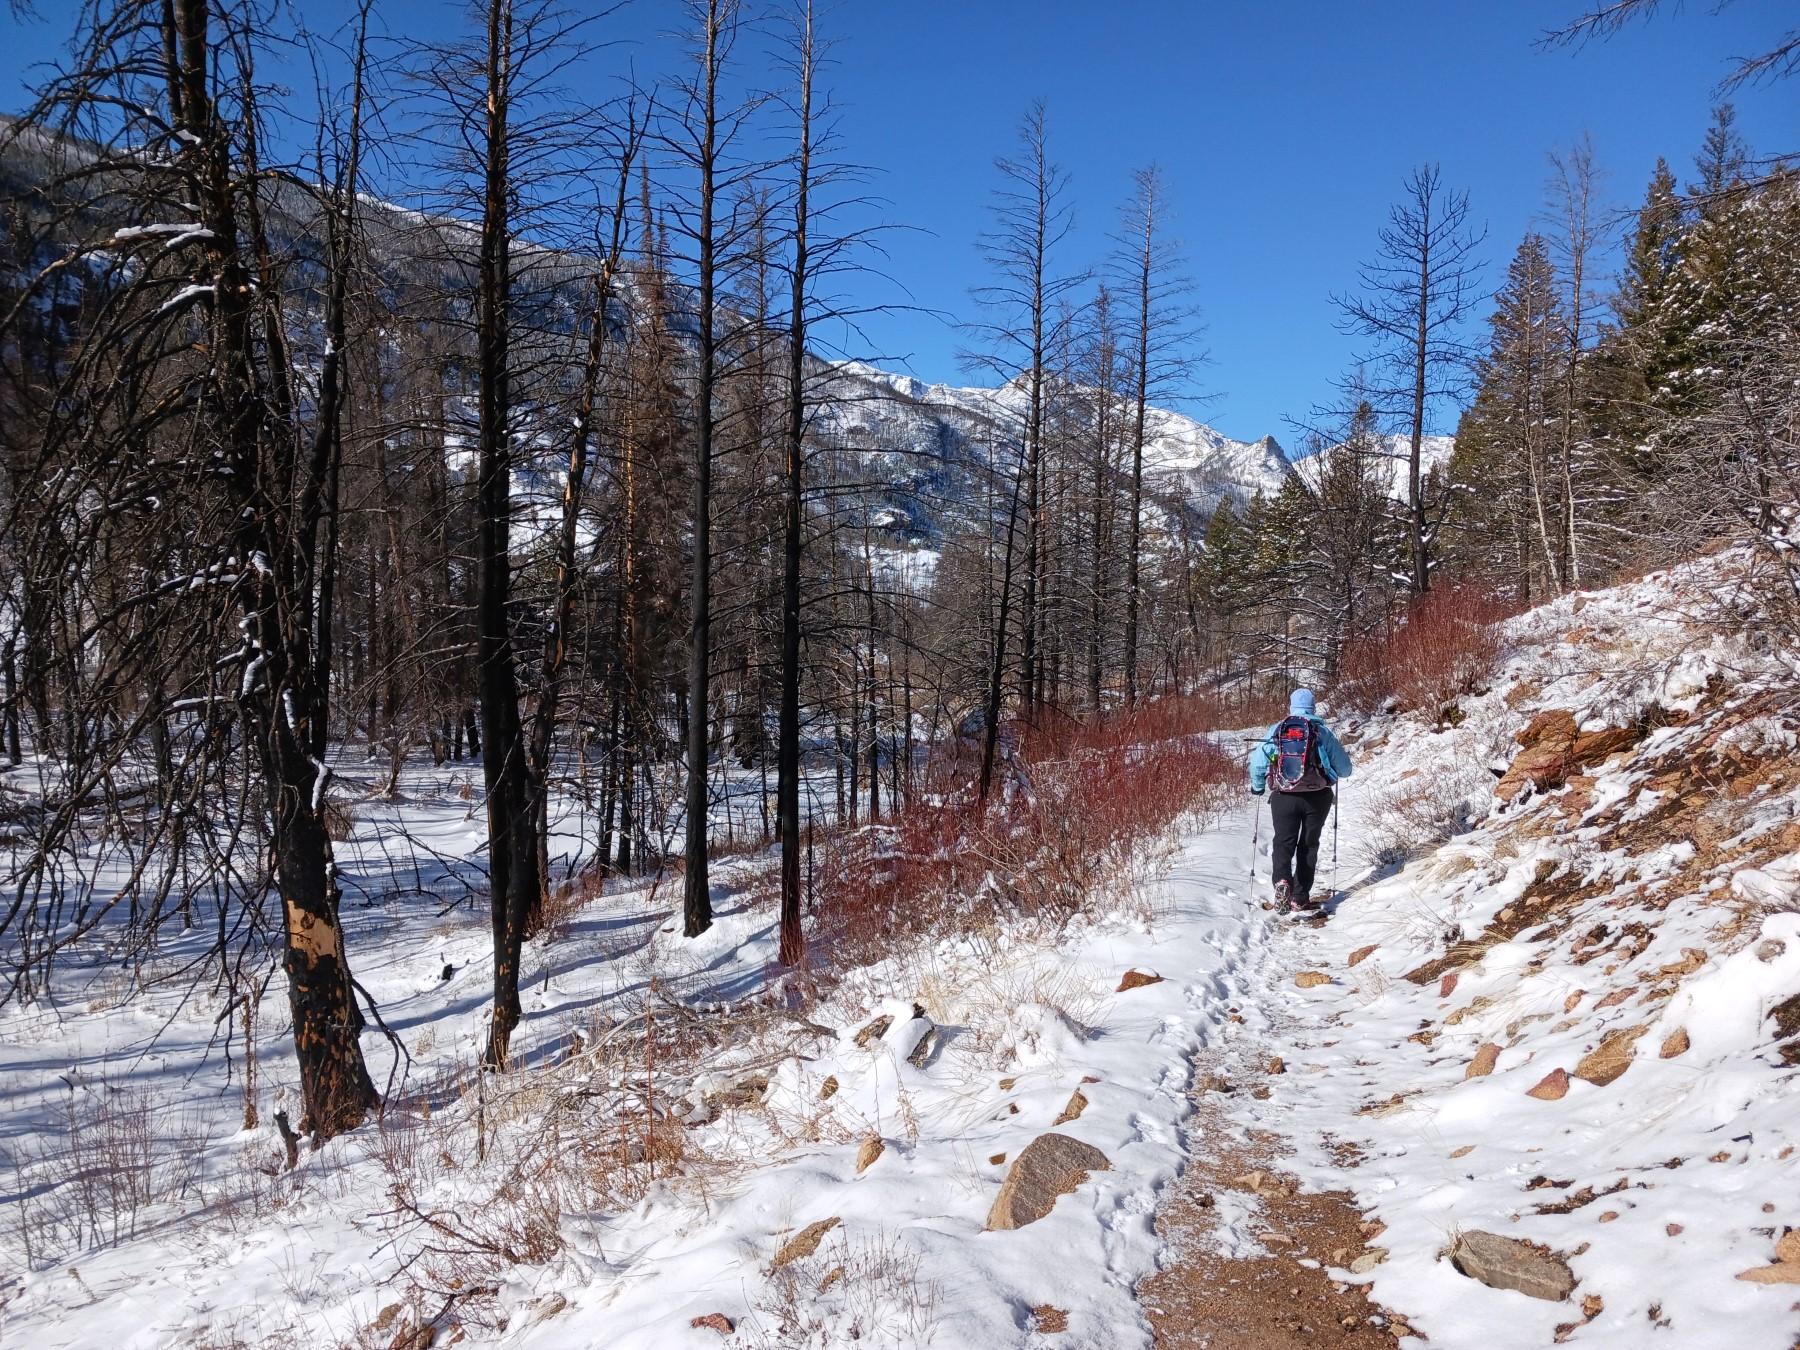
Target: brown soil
[(1203, 1299)]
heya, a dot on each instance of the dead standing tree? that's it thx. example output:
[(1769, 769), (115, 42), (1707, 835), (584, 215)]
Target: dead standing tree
[(221, 458), (586, 425), (512, 148), (787, 748), (1415, 298), (702, 137), (1165, 330), (1031, 218)]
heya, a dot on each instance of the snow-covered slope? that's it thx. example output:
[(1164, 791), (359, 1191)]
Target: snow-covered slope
[(1393, 455), (1562, 1049)]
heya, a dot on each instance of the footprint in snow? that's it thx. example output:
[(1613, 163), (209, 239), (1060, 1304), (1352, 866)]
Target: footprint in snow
[(1147, 1129)]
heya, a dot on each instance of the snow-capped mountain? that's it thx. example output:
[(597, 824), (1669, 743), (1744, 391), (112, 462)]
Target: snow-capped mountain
[(936, 434), (1392, 455)]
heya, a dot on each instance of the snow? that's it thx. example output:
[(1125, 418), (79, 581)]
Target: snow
[(1659, 1187), (1031, 1007)]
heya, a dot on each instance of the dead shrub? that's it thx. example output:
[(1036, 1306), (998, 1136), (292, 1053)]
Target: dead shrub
[(852, 1290), (340, 819), (117, 1163), (1091, 808), (1424, 812), (1445, 647)]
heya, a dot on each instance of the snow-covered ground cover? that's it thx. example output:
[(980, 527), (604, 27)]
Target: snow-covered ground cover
[(1557, 1007), (684, 1117)]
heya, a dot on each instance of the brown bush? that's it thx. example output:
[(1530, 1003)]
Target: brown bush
[(1446, 646), (1089, 801)]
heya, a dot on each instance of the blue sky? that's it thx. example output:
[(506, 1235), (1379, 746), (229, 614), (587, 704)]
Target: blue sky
[(1284, 129)]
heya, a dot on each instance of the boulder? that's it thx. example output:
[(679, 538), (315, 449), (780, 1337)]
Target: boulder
[(718, 1322), (1483, 1063), (1311, 979), (1609, 1060), (1137, 979), (1529, 1268), (804, 1243), (1550, 727), (1447, 985), (1594, 747), (1545, 757), (1363, 1264), (1361, 954), (1674, 1044), (1050, 1166)]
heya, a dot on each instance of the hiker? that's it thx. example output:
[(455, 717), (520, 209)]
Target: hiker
[(1300, 762)]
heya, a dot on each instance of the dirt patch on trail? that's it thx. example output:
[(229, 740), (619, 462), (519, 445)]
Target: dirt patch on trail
[(1203, 1298)]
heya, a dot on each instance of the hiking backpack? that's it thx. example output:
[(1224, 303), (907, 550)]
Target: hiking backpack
[(1296, 766)]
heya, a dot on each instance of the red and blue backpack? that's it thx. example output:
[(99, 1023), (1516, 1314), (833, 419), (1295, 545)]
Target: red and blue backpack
[(1296, 766)]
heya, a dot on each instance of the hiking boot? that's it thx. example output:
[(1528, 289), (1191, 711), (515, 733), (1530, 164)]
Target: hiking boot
[(1284, 895)]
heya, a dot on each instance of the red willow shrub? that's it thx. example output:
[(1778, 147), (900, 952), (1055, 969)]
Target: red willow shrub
[(1446, 646), (1086, 804)]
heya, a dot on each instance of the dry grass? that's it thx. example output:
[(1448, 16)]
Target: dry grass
[(855, 1288), (118, 1165), (1424, 812)]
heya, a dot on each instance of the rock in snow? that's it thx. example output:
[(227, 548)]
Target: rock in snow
[(804, 1243), (1512, 1263), (1136, 979), (1611, 1058), (1483, 1063), (1050, 1166), (1077, 1104), (868, 1151), (1554, 1086)]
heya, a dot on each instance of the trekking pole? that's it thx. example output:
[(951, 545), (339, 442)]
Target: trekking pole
[(1255, 833), (1336, 805)]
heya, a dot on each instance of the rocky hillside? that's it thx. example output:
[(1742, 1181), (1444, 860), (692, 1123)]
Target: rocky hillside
[(1552, 1042)]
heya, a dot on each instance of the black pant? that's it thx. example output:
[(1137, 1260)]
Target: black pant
[(1299, 819)]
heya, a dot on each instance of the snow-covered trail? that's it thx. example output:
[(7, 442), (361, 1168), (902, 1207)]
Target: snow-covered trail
[(1025, 1028), (1539, 933), (1557, 1054)]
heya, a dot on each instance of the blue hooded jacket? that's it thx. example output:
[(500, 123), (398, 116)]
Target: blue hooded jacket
[(1332, 756)]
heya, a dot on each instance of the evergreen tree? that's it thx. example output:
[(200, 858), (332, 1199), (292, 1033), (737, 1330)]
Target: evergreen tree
[(1510, 503), (1720, 164)]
